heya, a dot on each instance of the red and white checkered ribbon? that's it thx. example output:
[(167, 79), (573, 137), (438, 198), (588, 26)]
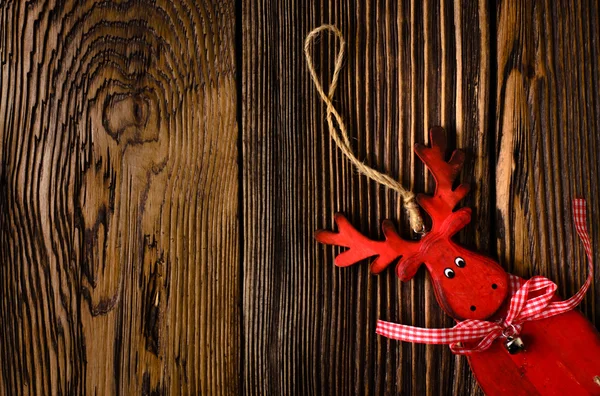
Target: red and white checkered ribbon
[(522, 308)]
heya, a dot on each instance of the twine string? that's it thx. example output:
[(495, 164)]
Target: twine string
[(341, 138)]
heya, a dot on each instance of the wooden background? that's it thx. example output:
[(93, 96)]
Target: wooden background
[(164, 165)]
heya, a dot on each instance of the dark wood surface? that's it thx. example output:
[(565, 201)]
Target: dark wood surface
[(310, 327), (547, 147), (514, 83), (119, 249), (147, 246)]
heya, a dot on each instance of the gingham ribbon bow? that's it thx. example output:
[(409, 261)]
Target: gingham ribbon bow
[(522, 308)]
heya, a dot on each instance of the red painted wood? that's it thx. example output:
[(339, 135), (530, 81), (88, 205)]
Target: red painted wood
[(562, 353), (561, 357)]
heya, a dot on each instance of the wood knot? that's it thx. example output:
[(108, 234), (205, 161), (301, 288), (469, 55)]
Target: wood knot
[(124, 112)]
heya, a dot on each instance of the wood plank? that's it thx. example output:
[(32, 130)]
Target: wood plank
[(119, 235), (547, 140), (310, 327)]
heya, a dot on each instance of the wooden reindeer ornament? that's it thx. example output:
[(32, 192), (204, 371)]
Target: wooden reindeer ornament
[(520, 339), (518, 336)]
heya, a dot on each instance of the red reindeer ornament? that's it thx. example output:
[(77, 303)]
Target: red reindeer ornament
[(519, 338)]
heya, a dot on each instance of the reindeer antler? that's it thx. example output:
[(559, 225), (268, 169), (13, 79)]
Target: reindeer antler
[(362, 247), (441, 204)]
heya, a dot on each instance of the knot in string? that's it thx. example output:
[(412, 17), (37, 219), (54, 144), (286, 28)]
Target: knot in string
[(341, 138)]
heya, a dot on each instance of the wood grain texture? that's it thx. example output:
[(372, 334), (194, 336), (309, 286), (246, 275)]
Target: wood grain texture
[(118, 231), (547, 139), (310, 327), (121, 267)]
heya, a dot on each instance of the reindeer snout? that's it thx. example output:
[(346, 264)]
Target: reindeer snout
[(467, 285)]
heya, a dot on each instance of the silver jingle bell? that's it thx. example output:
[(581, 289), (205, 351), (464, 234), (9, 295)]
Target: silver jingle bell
[(514, 345)]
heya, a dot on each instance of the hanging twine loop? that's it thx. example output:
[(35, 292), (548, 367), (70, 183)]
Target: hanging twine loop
[(341, 138)]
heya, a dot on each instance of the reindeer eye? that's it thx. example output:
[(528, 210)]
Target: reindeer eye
[(449, 272), (460, 263)]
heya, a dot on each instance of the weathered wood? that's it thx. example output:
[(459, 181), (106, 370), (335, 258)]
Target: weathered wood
[(547, 139), (118, 204), (309, 327), (119, 237)]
